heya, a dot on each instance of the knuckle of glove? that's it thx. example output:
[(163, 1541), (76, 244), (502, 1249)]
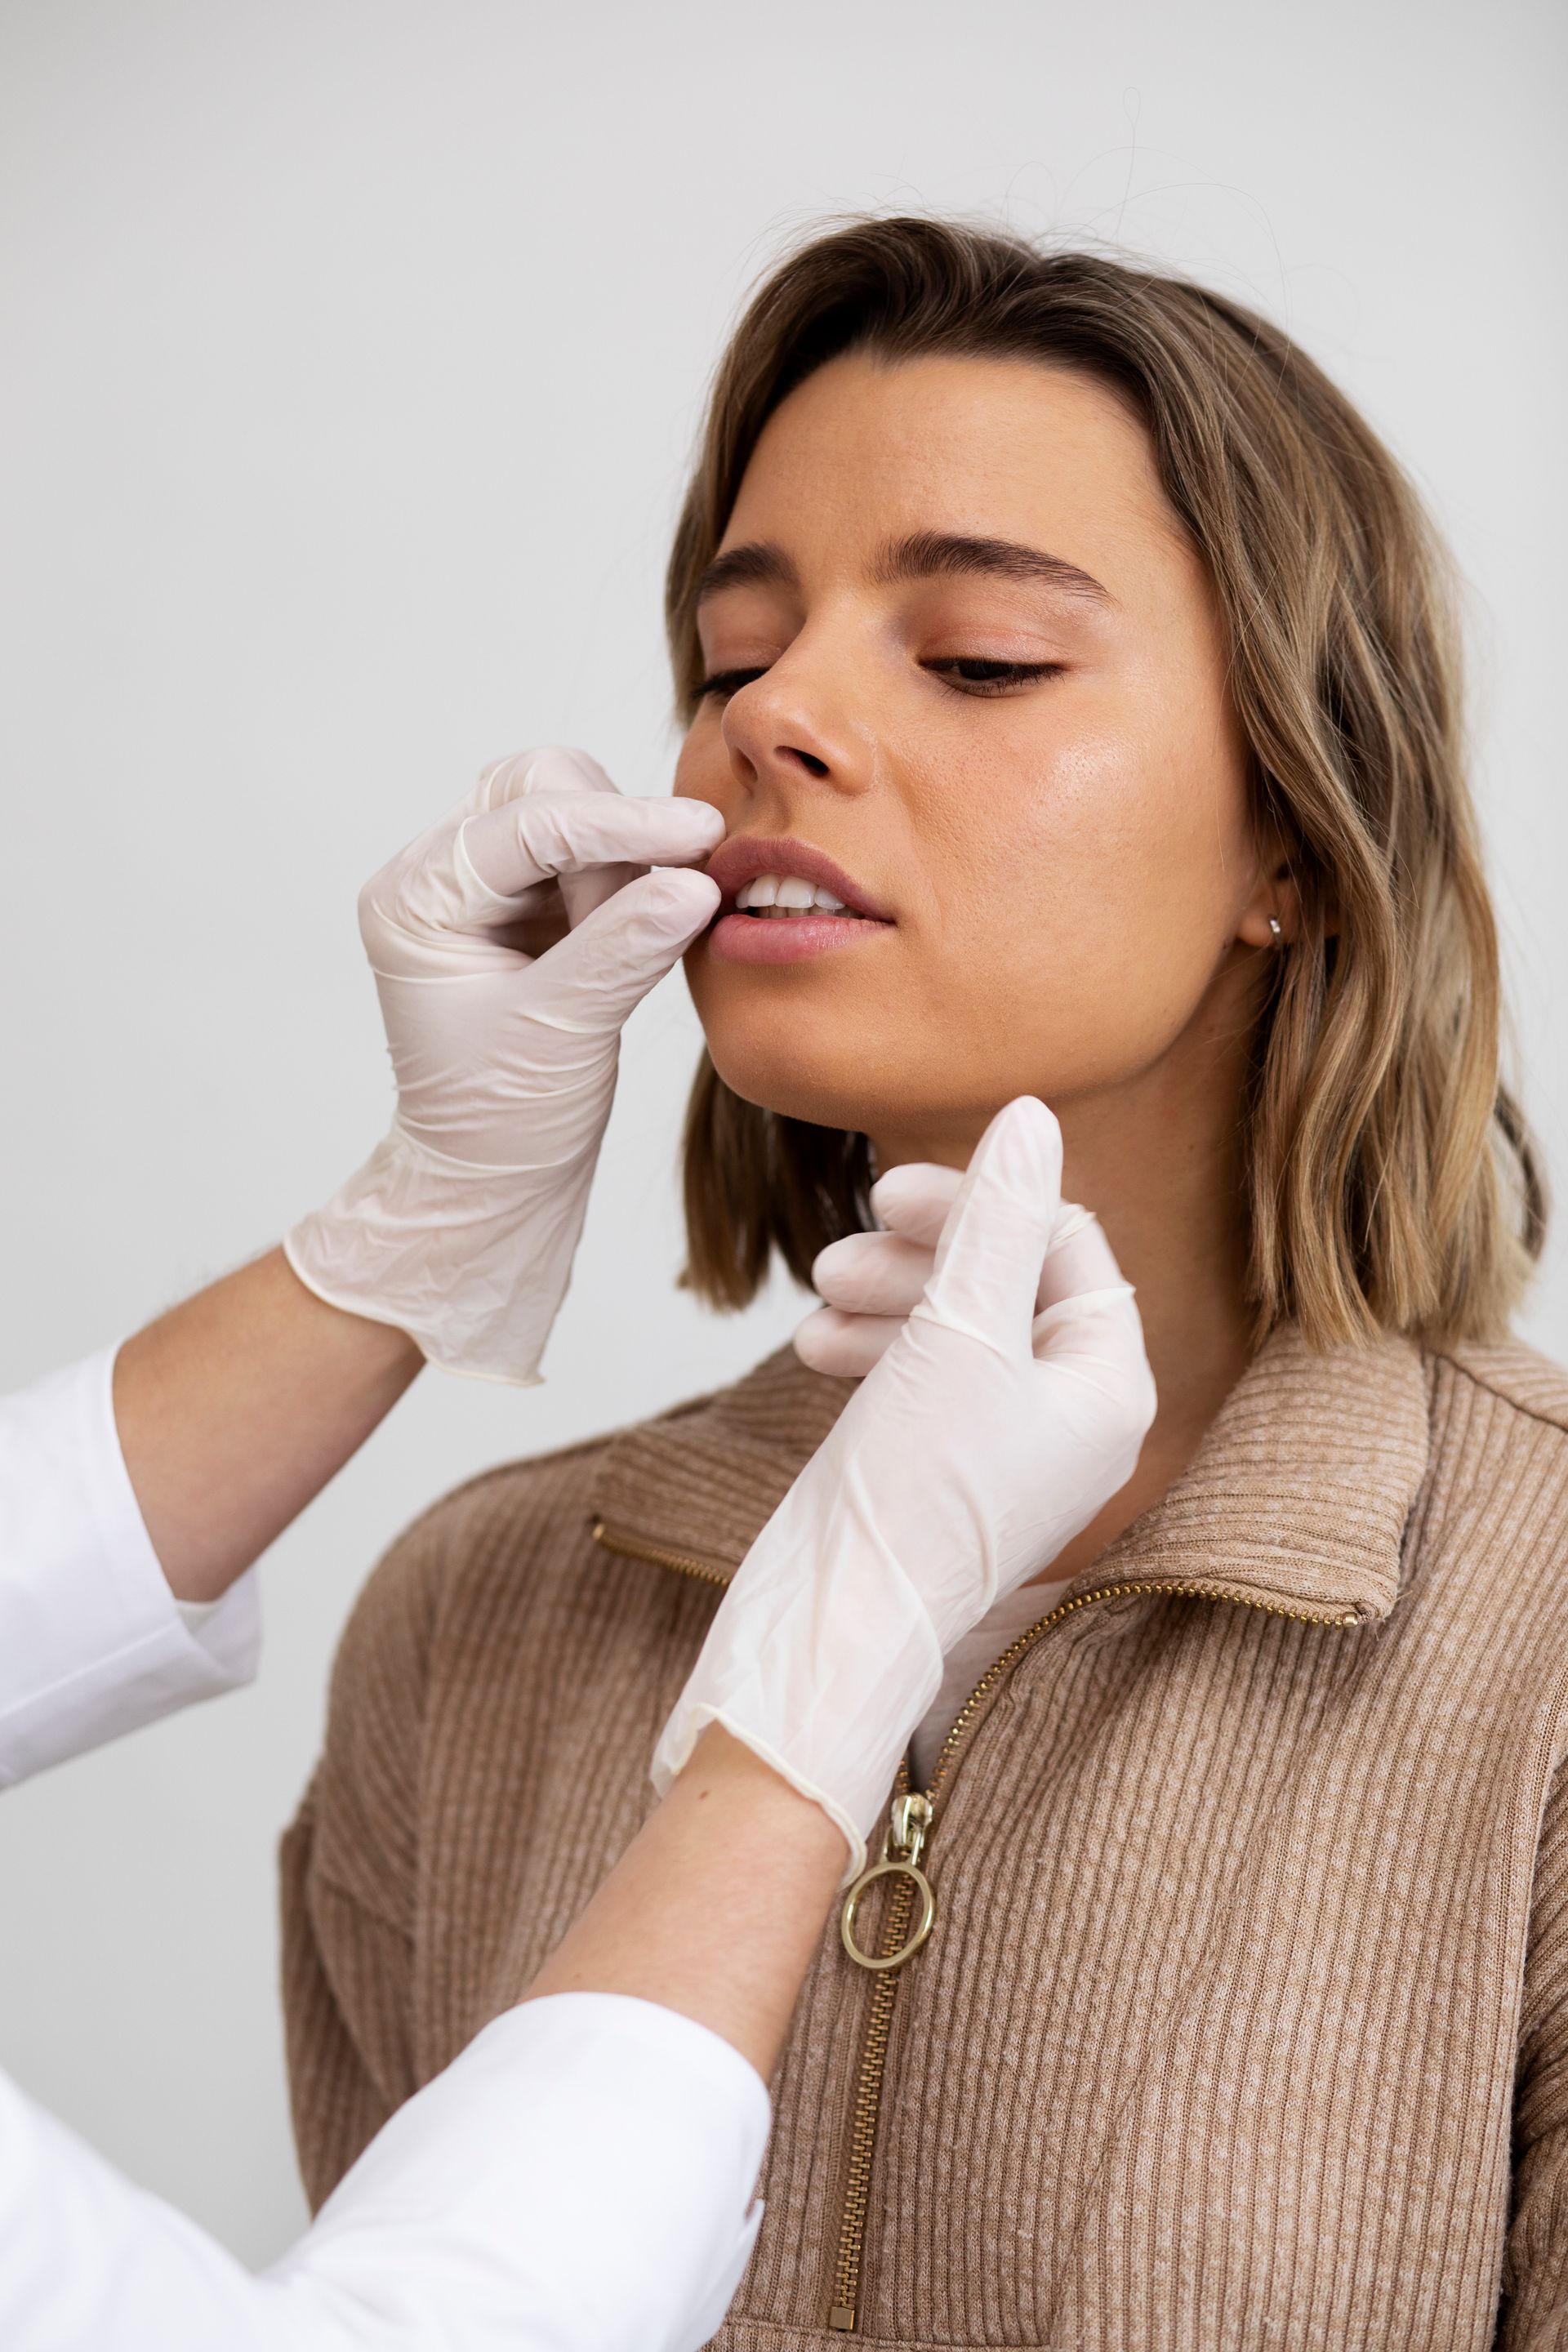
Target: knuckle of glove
[(545, 831), (380, 906), (643, 927), (846, 1273), (502, 780), (556, 770), (676, 898)]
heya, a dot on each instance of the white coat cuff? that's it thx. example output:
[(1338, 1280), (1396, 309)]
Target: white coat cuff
[(92, 1641), (581, 2176)]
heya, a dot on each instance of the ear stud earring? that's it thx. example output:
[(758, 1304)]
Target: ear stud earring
[(1275, 934)]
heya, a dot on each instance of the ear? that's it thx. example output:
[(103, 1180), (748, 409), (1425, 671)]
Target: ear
[(1275, 901), (1266, 907)]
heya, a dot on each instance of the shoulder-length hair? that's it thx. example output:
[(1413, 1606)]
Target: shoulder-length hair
[(1391, 1182)]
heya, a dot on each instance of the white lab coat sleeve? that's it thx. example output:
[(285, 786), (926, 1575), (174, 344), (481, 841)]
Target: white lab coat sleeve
[(580, 2179), (92, 1642)]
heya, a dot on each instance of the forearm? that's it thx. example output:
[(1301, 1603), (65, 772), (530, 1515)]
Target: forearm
[(237, 1407), (716, 1908)]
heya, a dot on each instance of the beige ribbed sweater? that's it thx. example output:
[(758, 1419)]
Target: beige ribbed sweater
[(1245, 2020)]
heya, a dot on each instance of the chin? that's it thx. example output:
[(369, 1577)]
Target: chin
[(785, 1077), (783, 1051), (855, 1063)]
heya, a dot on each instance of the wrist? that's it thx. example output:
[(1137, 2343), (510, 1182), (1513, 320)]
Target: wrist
[(716, 1908), (376, 1343), (738, 1785)]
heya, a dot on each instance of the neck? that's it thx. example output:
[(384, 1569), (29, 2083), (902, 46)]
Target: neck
[(1159, 1161)]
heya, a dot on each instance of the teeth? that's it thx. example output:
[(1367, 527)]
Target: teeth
[(786, 895)]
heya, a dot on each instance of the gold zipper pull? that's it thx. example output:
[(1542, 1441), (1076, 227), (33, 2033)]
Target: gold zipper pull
[(903, 1843), (909, 1825)]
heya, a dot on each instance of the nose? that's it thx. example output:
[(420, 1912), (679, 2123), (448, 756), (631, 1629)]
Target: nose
[(790, 726)]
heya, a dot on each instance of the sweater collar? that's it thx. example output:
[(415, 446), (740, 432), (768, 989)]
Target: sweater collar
[(1299, 1495), (1297, 1500), (702, 1480)]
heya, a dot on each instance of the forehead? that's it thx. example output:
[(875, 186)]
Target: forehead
[(866, 449)]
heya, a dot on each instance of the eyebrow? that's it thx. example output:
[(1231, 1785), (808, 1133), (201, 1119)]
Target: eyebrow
[(759, 565), (929, 554), (923, 555)]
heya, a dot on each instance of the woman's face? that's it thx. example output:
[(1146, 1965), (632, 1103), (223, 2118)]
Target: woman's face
[(966, 673)]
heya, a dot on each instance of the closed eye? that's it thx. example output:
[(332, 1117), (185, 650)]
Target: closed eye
[(965, 673), (970, 675), (726, 682)]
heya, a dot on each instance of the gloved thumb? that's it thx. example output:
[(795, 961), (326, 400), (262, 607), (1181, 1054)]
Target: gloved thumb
[(994, 1243), (596, 976)]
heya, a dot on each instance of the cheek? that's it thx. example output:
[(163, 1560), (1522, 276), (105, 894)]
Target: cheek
[(702, 770), (1089, 889), (1101, 830)]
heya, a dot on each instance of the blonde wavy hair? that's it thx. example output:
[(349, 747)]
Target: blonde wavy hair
[(1393, 1183)]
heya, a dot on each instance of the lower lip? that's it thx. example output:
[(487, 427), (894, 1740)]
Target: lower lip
[(763, 939)]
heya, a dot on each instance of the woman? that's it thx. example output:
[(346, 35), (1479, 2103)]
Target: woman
[(1068, 642)]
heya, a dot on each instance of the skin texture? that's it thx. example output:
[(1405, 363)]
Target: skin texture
[(235, 1409), (1081, 897), (716, 1908)]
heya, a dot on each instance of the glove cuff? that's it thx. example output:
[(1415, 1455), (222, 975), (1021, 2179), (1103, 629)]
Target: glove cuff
[(472, 1263)]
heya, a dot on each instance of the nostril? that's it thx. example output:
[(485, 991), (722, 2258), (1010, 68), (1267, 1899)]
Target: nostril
[(808, 759)]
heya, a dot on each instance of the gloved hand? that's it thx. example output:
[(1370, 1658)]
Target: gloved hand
[(870, 1283), (1004, 1413), (462, 1226)]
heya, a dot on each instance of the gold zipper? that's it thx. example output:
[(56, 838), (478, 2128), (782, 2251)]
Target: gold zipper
[(911, 1818), (685, 1563), (896, 1947)]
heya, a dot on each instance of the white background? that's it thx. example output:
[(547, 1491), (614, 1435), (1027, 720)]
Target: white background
[(351, 358)]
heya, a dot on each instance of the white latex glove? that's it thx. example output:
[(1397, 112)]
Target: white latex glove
[(462, 1226), (870, 1283), (990, 1433)]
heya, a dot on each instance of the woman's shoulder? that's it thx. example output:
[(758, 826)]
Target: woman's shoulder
[(519, 1539), (1517, 1377), (1528, 1385), (1498, 1485), (481, 1528)]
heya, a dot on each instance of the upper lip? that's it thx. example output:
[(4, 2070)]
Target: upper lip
[(744, 856)]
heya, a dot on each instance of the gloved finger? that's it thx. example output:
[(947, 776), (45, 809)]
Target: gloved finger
[(678, 840), (1071, 1221), (993, 1246), (606, 966), (884, 1274), (914, 1199), (845, 1345), (559, 768), (510, 850), (1089, 1320), (871, 1274), (559, 772), (1080, 1260)]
